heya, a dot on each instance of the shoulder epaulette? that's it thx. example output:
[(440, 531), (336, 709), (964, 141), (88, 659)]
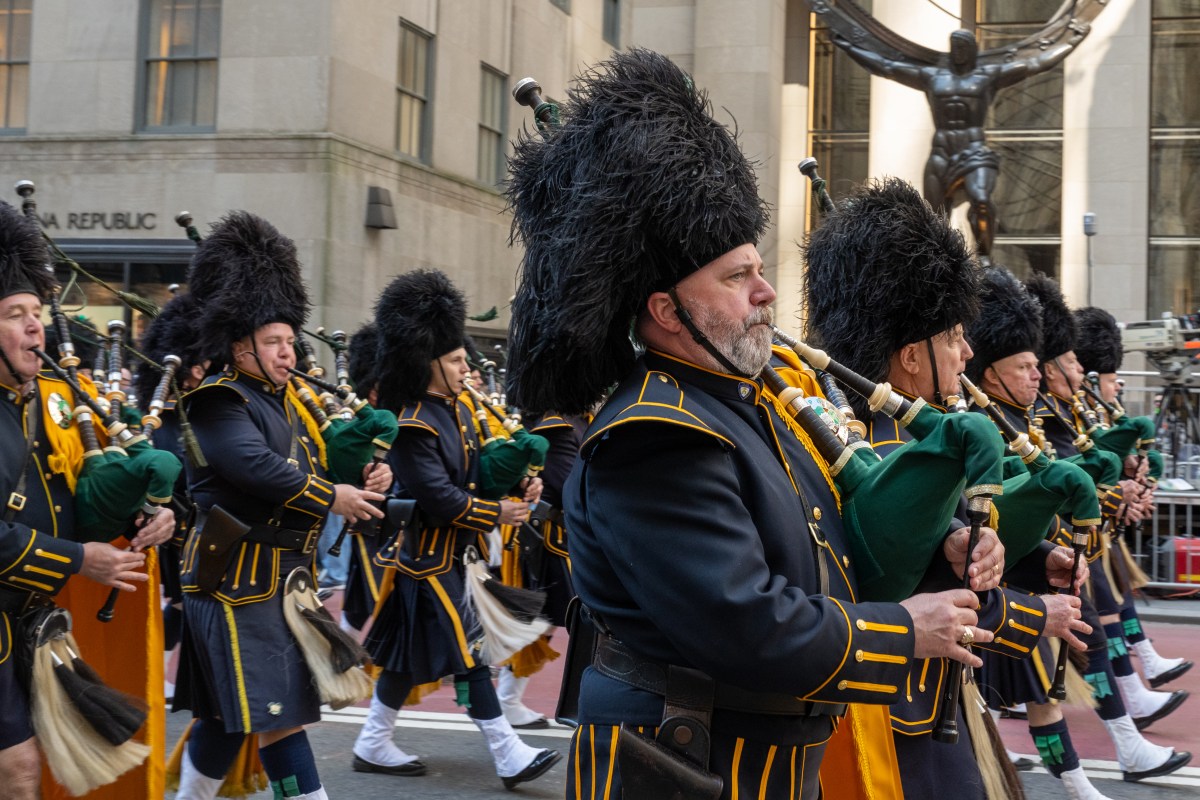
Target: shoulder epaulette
[(549, 423), (222, 381), (410, 418), (661, 401)]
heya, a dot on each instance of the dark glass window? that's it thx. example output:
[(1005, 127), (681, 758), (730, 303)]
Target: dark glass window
[(182, 44), (15, 33), (412, 92), (492, 106)]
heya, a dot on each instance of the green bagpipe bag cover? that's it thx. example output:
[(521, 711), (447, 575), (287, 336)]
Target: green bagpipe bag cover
[(113, 486), (896, 512), (1103, 467), (504, 462), (1031, 502), (351, 444), (1126, 434)]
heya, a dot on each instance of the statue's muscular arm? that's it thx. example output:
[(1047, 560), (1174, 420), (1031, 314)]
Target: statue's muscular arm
[(902, 72), (1019, 69)]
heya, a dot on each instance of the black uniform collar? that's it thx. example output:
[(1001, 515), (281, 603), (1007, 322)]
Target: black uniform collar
[(909, 396), (259, 384), (719, 384), (1002, 401)]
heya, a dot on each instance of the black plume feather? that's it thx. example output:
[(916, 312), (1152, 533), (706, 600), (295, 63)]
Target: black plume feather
[(420, 316), (23, 256), (364, 354), (638, 188), (172, 332), (885, 270), (1099, 347), (1010, 322), (1059, 333), (245, 274)]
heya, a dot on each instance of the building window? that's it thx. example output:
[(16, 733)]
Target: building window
[(182, 43), (1174, 263), (492, 95), (14, 63), (839, 114), (612, 22), (1024, 127), (412, 92)]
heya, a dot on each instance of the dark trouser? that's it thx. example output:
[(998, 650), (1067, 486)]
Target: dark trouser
[(928, 768)]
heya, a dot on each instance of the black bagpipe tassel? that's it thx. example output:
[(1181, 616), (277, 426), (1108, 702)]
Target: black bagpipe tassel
[(114, 715), (510, 617), (345, 652), (332, 657)]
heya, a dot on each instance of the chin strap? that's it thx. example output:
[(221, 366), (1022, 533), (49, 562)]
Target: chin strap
[(17, 376), (937, 383), (686, 319), (1004, 386)]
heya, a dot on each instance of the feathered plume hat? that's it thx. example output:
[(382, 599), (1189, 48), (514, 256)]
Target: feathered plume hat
[(637, 189), (1099, 347), (419, 317), (244, 275), (1059, 333), (364, 355), (172, 332), (1010, 322), (23, 256), (885, 270)]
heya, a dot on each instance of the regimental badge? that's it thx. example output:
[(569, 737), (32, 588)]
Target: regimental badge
[(59, 410), (744, 390)]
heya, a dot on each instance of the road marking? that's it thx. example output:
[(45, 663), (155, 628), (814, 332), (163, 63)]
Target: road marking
[(436, 721), (1110, 771)]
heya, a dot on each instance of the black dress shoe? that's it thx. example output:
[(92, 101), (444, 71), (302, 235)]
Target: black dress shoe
[(1170, 675), (411, 769), (544, 761), (1173, 763), (535, 725), (1023, 764), (1173, 702)]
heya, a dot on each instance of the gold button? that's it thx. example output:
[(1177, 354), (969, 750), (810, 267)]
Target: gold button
[(463, 428), (846, 561), (861, 624), (858, 656), (49, 475), (1012, 604), (304, 438), (212, 548), (470, 487), (921, 687), (817, 514), (58, 509), (37, 443), (842, 685), (662, 378)]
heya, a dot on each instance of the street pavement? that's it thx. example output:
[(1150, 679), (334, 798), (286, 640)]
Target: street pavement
[(460, 767)]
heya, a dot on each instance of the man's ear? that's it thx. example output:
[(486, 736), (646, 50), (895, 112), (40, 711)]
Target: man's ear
[(910, 360), (661, 310)]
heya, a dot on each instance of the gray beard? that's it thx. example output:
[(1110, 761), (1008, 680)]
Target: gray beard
[(747, 347)]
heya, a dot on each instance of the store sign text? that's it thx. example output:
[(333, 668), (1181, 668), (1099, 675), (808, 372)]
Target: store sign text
[(102, 221)]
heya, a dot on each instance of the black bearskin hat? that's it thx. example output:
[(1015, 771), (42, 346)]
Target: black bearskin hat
[(637, 189), (23, 256), (84, 337), (1010, 322), (1059, 334), (420, 316), (1099, 347), (885, 270), (172, 332), (364, 354), (244, 275)]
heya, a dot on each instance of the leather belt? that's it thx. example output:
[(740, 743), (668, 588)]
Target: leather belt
[(15, 601), (288, 539), (614, 659)]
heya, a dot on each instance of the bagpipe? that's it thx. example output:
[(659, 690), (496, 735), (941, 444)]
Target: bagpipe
[(1032, 502)]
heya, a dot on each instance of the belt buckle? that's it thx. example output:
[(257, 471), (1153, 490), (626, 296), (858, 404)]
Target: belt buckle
[(16, 501), (310, 541)]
